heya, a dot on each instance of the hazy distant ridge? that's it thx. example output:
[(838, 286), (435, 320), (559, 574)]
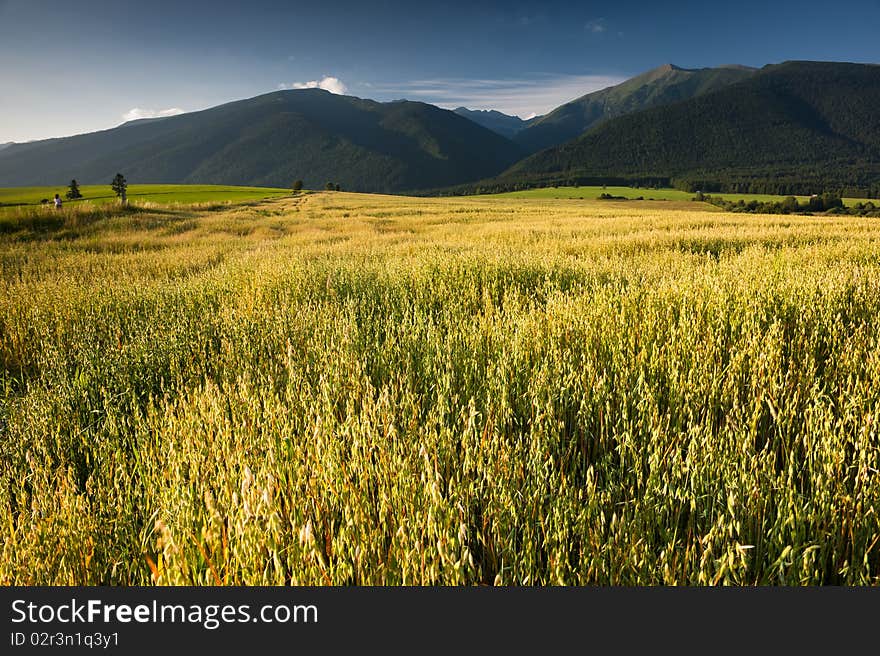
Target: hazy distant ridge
[(504, 124)]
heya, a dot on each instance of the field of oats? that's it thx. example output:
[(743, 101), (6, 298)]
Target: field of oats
[(347, 389)]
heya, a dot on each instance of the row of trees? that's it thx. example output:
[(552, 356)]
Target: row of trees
[(120, 185), (784, 185), (330, 186), (827, 202)]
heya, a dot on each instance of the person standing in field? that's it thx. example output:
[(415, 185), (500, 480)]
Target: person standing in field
[(57, 202)]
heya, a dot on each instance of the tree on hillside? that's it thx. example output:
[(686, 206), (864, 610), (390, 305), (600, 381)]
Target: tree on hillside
[(119, 185), (789, 204), (330, 186), (297, 185), (73, 192), (338, 187)]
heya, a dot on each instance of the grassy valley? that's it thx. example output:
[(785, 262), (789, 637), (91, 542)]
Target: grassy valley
[(638, 193), (797, 128), (635, 341), (18, 196)]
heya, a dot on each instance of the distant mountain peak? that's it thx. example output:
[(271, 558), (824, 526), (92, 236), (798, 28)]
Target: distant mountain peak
[(504, 124), (738, 67), (485, 112), (670, 68), (142, 121), (664, 69)]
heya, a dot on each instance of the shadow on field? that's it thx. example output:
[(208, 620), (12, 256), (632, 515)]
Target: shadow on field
[(47, 223)]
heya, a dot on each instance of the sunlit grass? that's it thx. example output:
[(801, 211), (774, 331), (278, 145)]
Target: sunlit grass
[(155, 193), (348, 389)]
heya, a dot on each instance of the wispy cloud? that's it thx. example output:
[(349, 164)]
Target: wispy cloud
[(137, 113), (522, 97), (596, 26), (328, 83)]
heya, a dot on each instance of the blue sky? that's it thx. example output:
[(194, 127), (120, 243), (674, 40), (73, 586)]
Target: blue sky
[(69, 67)]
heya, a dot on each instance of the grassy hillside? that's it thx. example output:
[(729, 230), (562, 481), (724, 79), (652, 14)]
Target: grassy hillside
[(798, 127), (15, 196), (345, 389), (661, 86), (272, 140)]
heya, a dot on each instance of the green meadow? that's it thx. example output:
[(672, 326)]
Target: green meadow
[(631, 193), (152, 193)]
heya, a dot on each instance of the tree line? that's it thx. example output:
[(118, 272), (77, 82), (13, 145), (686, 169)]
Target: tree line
[(828, 203)]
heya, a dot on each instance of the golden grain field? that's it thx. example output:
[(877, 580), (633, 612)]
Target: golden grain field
[(349, 389)]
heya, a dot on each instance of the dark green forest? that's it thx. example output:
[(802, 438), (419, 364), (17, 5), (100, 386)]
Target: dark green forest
[(793, 128), (660, 86)]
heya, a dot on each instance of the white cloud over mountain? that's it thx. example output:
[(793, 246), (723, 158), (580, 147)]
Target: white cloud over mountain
[(328, 83), (138, 113)]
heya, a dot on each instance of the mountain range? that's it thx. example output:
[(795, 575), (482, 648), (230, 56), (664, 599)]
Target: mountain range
[(660, 86), (795, 127), (273, 139)]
